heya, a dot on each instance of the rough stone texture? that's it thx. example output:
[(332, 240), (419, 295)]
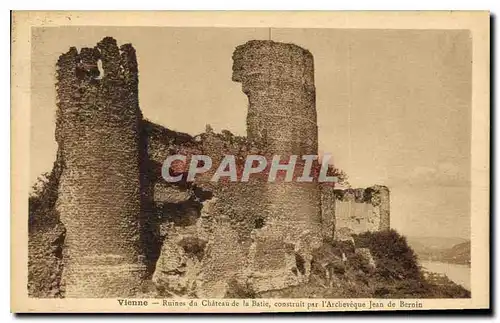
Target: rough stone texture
[(367, 256), (123, 221), (344, 234), (230, 220), (278, 80), (353, 211), (226, 215), (99, 192), (272, 228), (327, 210), (231, 214), (384, 204)]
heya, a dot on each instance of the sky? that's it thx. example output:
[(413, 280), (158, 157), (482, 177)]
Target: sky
[(394, 106)]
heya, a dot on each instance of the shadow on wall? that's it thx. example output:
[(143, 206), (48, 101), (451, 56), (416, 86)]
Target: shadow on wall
[(191, 239)]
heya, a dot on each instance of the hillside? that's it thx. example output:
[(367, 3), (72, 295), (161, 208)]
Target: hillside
[(458, 254), (394, 273), (373, 265), (442, 249)]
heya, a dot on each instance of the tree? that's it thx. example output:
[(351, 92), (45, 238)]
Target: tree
[(342, 178)]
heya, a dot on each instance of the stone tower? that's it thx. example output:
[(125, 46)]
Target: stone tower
[(278, 80), (100, 201), (385, 207)]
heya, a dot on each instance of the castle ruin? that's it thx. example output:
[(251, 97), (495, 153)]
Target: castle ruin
[(125, 225), (278, 80), (100, 198)]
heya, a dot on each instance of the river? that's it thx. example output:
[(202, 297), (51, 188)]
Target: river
[(459, 274)]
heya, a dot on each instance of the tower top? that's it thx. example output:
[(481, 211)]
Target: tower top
[(278, 79), (273, 61)]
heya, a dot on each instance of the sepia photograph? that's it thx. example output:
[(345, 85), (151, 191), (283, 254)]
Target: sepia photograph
[(252, 167)]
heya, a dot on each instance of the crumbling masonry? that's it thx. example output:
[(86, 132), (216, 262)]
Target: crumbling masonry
[(124, 225), (99, 190)]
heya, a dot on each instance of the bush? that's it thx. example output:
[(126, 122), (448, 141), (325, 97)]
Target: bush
[(42, 201), (397, 273), (358, 262), (392, 255)]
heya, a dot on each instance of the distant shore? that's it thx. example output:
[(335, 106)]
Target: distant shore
[(457, 273)]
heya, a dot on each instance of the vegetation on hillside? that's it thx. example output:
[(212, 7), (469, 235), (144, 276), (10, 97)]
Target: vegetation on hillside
[(42, 199), (396, 274), (46, 237)]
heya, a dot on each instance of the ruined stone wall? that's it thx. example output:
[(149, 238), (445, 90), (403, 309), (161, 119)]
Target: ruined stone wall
[(97, 130), (214, 232), (206, 226), (278, 80), (229, 220), (258, 235), (203, 238), (166, 200), (383, 199), (353, 211), (327, 210)]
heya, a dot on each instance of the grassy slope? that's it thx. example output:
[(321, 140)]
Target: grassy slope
[(397, 273)]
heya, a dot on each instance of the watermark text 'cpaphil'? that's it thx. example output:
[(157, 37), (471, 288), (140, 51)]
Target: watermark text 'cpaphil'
[(306, 168)]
